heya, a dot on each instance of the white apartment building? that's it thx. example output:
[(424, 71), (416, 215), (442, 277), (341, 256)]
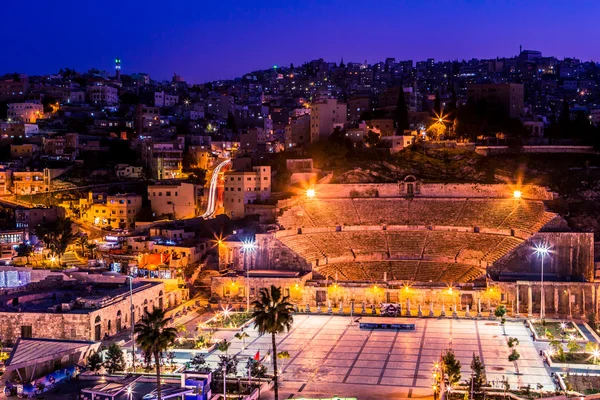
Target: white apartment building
[(243, 187), (162, 99), (325, 116), (25, 112), (179, 200), (103, 95)]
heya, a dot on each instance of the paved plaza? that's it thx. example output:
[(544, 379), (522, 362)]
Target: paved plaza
[(330, 357)]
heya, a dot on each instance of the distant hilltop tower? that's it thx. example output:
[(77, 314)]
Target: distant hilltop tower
[(118, 68)]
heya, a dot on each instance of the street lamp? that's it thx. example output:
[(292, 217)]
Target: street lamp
[(310, 193), (542, 250), (248, 246), (129, 392), (517, 194)]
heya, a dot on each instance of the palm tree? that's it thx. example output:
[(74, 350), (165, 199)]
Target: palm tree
[(273, 314), (242, 336), (82, 241), (154, 337), (91, 247)]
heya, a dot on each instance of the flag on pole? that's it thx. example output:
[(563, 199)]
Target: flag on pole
[(257, 356)]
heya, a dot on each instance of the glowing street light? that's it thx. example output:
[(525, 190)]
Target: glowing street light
[(248, 246), (542, 250), (517, 194), (310, 193)]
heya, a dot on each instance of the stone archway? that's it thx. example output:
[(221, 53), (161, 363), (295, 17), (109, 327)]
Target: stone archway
[(98, 328), (118, 321)]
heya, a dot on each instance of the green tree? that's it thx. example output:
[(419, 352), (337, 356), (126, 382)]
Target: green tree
[(223, 346), (372, 139), (199, 364), (401, 114), (82, 242), (557, 347), (115, 360), (55, 235), (95, 361), (24, 250), (273, 314), (513, 342), (451, 368), (514, 355), (242, 336), (573, 347), (91, 248), (478, 378), (154, 337)]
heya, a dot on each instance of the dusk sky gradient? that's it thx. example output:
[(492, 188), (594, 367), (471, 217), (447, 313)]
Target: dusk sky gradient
[(204, 40)]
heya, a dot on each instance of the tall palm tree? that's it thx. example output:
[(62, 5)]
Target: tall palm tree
[(154, 337), (273, 314), (82, 241)]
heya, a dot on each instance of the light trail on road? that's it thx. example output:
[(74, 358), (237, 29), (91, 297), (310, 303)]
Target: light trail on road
[(211, 204)]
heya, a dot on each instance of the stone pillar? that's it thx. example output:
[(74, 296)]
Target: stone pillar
[(364, 308), (431, 309), (517, 313), (479, 307), (569, 300), (529, 301), (443, 314), (454, 313), (419, 311), (341, 310), (407, 307), (595, 300), (583, 302), (307, 307), (468, 314), (556, 301)]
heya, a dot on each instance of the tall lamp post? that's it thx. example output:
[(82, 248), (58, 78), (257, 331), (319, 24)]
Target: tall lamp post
[(542, 250), (132, 321), (248, 246)]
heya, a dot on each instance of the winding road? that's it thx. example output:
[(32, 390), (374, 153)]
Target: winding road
[(211, 204)]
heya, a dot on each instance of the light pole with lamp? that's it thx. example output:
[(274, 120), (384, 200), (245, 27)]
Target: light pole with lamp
[(542, 250), (248, 246)]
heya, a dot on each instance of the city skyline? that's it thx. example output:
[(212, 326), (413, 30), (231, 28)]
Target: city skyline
[(226, 40)]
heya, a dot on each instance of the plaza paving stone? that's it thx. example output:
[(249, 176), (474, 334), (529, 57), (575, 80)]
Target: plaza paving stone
[(329, 357)]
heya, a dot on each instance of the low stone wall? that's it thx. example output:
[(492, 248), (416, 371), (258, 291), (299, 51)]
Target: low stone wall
[(439, 190), (493, 150)]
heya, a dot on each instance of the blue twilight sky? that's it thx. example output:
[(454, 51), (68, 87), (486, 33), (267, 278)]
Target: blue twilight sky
[(203, 40)]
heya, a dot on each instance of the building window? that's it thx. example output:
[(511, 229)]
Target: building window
[(26, 332)]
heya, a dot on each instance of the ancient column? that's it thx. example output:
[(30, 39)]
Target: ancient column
[(443, 314), (468, 314), (407, 307), (454, 313), (479, 307), (569, 299), (594, 299), (517, 314), (583, 302), (419, 311), (364, 308), (341, 310), (555, 301), (529, 301), (431, 309)]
